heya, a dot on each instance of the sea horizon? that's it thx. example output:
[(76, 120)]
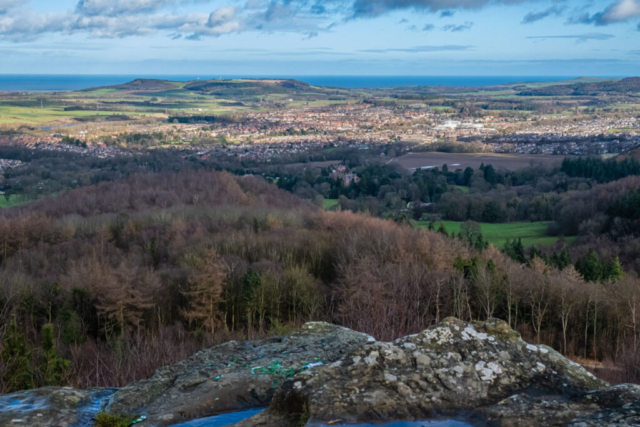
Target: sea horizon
[(71, 82)]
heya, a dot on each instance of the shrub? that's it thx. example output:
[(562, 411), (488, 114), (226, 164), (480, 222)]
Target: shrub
[(108, 420)]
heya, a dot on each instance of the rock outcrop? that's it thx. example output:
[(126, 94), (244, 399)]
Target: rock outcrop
[(233, 376), (51, 407), (479, 372)]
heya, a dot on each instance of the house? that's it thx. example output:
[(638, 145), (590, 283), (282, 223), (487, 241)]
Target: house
[(340, 172)]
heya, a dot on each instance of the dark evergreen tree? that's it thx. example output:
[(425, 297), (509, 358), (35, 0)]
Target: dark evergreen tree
[(562, 259), (613, 270), (515, 250), (468, 174), (16, 356), (590, 267), (54, 368)]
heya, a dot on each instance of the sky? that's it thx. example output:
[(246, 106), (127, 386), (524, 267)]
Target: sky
[(315, 37)]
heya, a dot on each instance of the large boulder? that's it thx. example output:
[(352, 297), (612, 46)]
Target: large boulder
[(456, 369), (479, 372), (233, 376)]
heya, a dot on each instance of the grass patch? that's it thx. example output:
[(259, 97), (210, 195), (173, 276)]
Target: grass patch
[(531, 233), (36, 116), (107, 420), (104, 91), (13, 201), (623, 130), (329, 204), (463, 188)]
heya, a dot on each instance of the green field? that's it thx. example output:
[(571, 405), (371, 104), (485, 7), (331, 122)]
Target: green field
[(330, 204), (13, 201), (531, 233), (623, 130), (463, 188)]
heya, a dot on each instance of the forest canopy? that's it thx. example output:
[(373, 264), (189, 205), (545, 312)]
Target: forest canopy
[(139, 273)]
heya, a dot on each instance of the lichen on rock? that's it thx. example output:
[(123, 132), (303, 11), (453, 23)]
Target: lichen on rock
[(452, 368)]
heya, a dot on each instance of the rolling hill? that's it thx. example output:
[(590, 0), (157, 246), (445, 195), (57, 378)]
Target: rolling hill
[(609, 87)]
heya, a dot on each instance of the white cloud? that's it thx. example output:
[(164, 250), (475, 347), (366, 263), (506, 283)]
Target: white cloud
[(30, 25), (621, 11), (617, 12)]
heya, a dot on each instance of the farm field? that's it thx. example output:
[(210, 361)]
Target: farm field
[(463, 160), (13, 201), (330, 204), (531, 233)]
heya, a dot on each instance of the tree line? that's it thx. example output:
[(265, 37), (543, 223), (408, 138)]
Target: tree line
[(136, 274)]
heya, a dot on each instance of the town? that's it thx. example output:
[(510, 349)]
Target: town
[(274, 133)]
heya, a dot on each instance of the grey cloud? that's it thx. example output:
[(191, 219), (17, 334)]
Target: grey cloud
[(221, 16), (279, 12), (420, 49), (538, 16), (458, 28), (318, 9), (369, 8), (578, 37), (580, 17), (617, 12), (119, 7), (447, 13), (253, 4), (429, 27)]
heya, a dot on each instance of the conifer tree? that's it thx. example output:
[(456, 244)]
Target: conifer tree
[(613, 270), (442, 229), (54, 368), (16, 355), (562, 259), (590, 267)]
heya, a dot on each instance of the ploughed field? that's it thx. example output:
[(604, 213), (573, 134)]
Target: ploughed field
[(474, 160), (531, 233)]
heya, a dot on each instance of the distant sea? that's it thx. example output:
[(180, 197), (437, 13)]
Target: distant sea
[(10, 82)]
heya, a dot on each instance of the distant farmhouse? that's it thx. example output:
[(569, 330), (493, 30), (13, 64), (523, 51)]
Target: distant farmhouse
[(340, 172)]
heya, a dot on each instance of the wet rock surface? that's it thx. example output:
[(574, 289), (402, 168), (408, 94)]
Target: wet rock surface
[(233, 376), (481, 373), (51, 407)]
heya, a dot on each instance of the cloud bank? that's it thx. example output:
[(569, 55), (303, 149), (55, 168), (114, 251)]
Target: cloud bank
[(309, 18)]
